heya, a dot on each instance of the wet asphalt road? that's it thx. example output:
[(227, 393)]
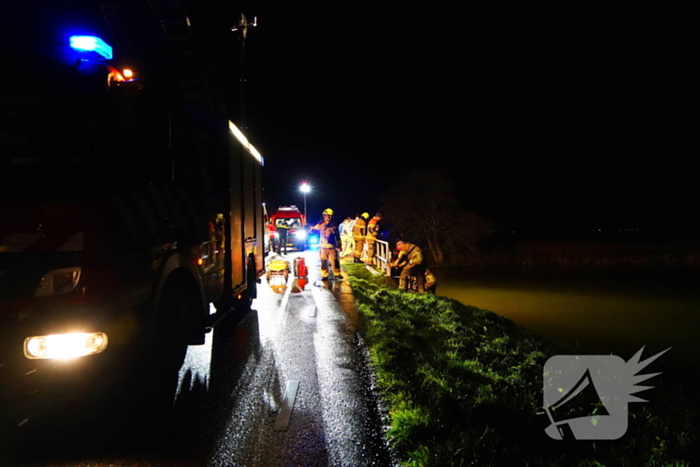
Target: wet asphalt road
[(282, 387)]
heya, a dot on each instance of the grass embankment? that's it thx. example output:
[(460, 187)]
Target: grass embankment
[(462, 386)]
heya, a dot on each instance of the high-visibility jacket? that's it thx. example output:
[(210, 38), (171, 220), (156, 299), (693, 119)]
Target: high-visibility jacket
[(283, 228), (359, 229), (410, 255), (373, 227), (345, 228), (328, 234)]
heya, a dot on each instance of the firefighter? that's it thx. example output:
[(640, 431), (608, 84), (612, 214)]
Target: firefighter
[(430, 281), (344, 229), (282, 231), (372, 233), (328, 243), (410, 261), (347, 238), (359, 232), (220, 238)]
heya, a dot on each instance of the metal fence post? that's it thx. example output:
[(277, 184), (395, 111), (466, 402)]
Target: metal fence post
[(382, 257)]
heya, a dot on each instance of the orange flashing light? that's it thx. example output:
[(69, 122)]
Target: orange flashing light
[(114, 75)]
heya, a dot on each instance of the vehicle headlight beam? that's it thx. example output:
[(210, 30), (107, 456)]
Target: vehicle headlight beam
[(65, 346)]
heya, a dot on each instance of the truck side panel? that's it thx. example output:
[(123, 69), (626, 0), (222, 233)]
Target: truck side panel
[(252, 192), (259, 221), (237, 215)]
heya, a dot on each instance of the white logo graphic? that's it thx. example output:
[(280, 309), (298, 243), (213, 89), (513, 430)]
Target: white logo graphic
[(586, 396)]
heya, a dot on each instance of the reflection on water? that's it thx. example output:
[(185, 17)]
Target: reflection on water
[(598, 311)]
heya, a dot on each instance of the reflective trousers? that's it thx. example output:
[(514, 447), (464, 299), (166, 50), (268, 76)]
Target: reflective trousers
[(359, 246), (416, 270), (370, 248), (329, 255)]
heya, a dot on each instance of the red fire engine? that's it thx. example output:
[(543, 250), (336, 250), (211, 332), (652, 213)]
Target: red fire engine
[(129, 202), (296, 238)]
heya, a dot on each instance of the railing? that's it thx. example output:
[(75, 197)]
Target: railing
[(382, 256)]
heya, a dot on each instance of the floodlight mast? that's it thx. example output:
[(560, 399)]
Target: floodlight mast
[(242, 30), (305, 189)]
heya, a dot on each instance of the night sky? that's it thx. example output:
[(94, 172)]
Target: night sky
[(567, 115)]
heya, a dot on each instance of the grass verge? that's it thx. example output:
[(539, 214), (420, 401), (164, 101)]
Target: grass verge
[(462, 386)]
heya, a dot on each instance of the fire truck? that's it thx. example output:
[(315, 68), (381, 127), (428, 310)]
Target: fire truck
[(297, 236), (131, 206)]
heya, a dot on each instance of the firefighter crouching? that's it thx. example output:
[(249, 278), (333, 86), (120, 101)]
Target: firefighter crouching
[(328, 243), (430, 281), (359, 232), (410, 261)]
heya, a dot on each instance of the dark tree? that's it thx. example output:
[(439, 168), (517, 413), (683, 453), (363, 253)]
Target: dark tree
[(424, 208)]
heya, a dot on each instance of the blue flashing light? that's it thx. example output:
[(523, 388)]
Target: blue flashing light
[(313, 241), (91, 44)]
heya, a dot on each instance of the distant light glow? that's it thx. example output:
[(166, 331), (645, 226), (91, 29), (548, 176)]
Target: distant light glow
[(305, 187), (244, 141), (91, 44), (128, 74)]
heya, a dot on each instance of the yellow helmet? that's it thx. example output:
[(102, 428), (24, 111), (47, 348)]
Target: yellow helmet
[(365, 215), (328, 211)]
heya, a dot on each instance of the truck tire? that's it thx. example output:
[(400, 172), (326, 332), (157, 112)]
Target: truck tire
[(176, 314)]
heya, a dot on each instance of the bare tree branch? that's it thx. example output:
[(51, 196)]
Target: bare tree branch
[(424, 208)]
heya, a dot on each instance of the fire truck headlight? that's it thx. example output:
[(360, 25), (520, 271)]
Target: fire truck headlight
[(276, 235), (301, 234), (58, 281), (65, 346)]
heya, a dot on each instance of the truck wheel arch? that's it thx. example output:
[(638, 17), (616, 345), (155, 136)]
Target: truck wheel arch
[(179, 268)]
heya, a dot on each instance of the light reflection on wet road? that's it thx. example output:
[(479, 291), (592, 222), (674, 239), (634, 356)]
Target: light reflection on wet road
[(228, 395), (306, 336)]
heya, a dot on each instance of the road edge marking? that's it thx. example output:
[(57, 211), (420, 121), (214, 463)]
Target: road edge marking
[(285, 413)]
